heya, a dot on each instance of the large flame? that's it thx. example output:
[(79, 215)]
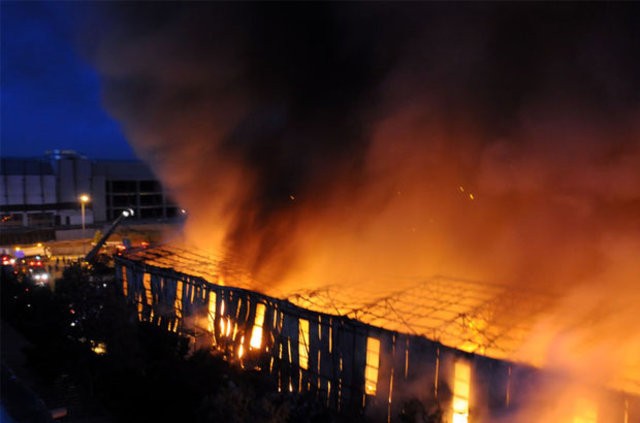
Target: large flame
[(361, 143)]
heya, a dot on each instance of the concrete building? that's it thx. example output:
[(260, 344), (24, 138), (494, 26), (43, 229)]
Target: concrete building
[(45, 192)]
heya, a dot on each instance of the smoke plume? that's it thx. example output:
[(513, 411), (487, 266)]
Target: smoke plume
[(357, 142)]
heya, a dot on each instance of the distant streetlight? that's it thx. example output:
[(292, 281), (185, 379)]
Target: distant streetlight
[(84, 199)]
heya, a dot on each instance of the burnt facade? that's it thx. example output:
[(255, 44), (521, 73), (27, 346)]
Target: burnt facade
[(351, 365)]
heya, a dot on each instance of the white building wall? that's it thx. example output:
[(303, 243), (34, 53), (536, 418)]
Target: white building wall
[(33, 189), (3, 190), (49, 189), (98, 201), (66, 184), (82, 175), (15, 189)]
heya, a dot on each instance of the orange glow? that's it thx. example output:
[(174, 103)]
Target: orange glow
[(303, 343), (211, 315), (256, 333), (99, 348), (241, 347), (372, 364), (228, 327), (177, 305), (461, 392), (146, 282), (256, 337), (586, 411)]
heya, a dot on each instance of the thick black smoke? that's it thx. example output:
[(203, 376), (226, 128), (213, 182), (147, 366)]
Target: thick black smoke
[(261, 116), (287, 92)]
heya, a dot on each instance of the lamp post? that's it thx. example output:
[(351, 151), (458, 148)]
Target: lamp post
[(84, 199)]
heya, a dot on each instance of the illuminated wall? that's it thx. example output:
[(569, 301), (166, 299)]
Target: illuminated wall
[(461, 392), (371, 369)]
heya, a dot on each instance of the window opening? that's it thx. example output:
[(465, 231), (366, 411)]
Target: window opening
[(372, 364), (461, 391), (303, 343)]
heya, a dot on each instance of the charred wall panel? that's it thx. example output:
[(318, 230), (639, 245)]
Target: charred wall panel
[(490, 389), (326, 366)]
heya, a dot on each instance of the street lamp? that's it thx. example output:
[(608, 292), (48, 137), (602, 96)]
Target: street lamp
[(84, 199)]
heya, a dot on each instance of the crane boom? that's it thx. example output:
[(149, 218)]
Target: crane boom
[(94, 251)]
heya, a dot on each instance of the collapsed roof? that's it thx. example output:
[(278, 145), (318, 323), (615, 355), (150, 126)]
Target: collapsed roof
[(488, 319)]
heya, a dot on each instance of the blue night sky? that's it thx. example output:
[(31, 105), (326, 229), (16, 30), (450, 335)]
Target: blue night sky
[(50, 96)]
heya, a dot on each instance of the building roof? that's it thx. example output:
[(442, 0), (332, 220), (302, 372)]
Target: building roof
[(488, 319), (192, 263)]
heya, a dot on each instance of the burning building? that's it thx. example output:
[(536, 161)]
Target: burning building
[(366, 145), (452, 344)]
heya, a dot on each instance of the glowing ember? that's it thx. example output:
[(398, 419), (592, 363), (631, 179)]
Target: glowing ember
[(146, 281), (99, 348)]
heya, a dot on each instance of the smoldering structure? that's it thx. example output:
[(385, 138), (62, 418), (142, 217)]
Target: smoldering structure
[(369, 144), (449, 344)]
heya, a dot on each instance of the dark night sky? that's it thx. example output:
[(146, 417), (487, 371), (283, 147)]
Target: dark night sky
[(50, 96)]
